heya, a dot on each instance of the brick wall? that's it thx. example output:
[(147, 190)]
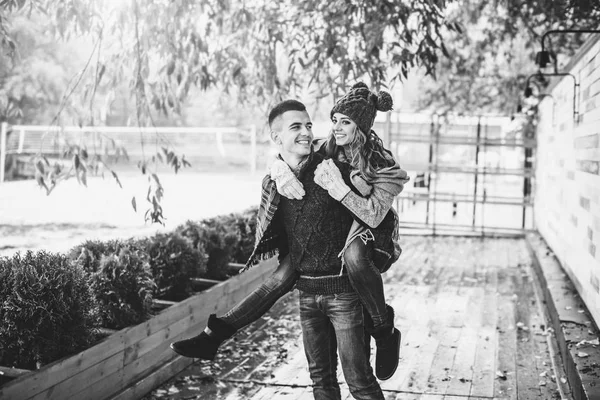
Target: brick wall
[(567, 200)]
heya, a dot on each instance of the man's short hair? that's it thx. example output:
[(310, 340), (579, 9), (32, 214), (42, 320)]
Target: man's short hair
[(285, 106)]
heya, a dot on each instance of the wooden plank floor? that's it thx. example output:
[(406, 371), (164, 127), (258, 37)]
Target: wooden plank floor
[(471, 327)]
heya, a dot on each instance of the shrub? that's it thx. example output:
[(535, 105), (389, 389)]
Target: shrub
[(47, 309), (246, 226), (215, 239), (173, 261), (120, 277), (89, 253)]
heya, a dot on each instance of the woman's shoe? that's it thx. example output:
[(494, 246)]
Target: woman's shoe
[(387, 340), (206, 344)]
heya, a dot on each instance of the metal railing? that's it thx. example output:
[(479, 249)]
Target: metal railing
[(51, 140), (493, 197)]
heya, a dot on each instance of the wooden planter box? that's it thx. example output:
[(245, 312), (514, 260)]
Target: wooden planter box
[(133, 361)]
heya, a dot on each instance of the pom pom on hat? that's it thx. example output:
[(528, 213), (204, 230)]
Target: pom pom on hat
[(384, 101)]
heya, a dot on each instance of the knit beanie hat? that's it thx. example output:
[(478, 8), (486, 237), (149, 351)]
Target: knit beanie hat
[(361, 105)]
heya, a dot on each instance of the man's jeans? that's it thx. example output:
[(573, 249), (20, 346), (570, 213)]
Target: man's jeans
[(331, 323)]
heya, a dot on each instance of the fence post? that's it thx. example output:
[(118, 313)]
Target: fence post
[(3, 132), (253, 149), (21, 140)]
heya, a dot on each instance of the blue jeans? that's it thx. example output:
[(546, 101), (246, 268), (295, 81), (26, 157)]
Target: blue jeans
[(333, 324), (366, 280), (257, 303), (363, 274)]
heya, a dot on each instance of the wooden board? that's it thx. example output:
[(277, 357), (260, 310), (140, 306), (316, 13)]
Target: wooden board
[(457, 301), (140, 349)]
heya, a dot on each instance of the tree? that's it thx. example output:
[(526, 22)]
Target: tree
[(490, 62), (258, 51), (32, 82)]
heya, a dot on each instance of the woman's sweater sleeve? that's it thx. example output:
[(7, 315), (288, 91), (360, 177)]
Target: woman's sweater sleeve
[(373, 208), (377, 196)]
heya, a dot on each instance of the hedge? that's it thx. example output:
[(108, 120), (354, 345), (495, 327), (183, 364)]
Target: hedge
[(120, 277), (173, 261), (52, 305), (224, 239), (47, 309)]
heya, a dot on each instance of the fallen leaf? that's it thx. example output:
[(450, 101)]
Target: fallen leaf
[(582, 354), (544, 374), (542, 383), (501, 375)]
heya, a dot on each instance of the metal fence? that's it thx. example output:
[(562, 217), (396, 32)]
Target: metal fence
[(203, 145), (470, 175)]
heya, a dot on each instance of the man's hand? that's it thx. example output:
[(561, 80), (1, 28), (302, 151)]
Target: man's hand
[(329, 177), (286, 182)]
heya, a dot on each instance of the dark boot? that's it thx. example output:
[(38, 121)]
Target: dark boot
[(205, 345), (387, 339)]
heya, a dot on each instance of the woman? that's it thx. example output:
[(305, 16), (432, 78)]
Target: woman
[(371, 245)]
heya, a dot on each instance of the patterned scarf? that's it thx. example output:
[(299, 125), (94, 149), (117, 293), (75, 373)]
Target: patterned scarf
[(266, 244)]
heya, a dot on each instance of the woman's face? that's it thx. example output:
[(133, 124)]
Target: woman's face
[(344, 129)]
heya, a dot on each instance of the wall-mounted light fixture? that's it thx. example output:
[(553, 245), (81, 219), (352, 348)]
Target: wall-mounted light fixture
[(541, 77), (545, 57), (540, 96)]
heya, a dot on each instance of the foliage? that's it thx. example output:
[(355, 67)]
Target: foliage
[(259, 51), (173, 261), (120, 277), (52, 305), (32, 81), (215, 238), (47, 309), (489, 62), (244, 224)]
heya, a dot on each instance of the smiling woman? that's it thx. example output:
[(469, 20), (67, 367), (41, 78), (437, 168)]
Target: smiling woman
[(344, 129)]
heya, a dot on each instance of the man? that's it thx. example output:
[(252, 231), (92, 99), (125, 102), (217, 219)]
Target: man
[(316, 228), (311, 233)]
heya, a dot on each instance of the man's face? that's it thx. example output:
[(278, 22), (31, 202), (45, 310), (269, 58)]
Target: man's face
[(292, 131)]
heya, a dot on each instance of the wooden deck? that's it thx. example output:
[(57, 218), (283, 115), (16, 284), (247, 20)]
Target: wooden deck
[(472, 328)]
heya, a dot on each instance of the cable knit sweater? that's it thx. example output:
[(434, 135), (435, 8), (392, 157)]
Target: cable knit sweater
[(316, 228)]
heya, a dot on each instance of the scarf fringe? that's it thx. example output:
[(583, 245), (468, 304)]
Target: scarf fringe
[(256, 259)]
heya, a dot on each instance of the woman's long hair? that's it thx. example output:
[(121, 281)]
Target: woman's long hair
[(366, 153)]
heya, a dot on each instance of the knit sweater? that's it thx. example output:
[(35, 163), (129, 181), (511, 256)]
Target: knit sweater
[(316, 228)]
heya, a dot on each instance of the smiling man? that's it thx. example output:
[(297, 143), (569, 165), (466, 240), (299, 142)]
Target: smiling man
[(308, 233), (316, 227)]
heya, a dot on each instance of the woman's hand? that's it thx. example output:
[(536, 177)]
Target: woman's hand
[(285, 181), (329, 177)]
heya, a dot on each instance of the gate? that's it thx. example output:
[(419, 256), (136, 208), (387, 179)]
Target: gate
[(469, 175)]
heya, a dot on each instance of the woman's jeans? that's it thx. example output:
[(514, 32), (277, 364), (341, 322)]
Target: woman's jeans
[(257, 303), (366, 280), (364, 276), (333, 324)]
